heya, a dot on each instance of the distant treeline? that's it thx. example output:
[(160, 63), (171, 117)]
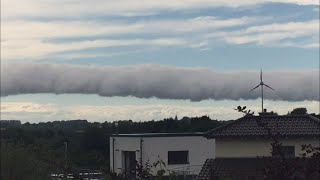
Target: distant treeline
[(168, 125)]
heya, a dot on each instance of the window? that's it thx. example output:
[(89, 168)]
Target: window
[(288, 152), (178, 157)]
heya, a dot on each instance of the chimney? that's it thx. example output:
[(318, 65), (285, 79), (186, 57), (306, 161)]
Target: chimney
[(265, 112)]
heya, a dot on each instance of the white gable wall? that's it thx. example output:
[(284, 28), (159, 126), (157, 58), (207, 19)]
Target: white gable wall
[(251, 148)]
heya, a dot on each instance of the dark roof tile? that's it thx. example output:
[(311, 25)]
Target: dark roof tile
[(286, 125), (240, 168)]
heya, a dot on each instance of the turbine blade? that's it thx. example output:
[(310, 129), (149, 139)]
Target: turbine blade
[(261, 75), (254, 88), (269, 87)]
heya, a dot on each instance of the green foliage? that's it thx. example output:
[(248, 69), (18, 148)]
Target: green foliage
[(144, 171), (168, 125), (299, 111), (21, 162), (33, 151), (309, 150), (161, 165), (243, 110)]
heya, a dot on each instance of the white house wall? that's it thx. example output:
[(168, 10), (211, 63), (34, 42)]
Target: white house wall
[(122, 144), (156, 148), (198, 147), (235, 148)]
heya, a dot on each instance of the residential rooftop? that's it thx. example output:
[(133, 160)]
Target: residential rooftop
[(282, 125), (242, 168)]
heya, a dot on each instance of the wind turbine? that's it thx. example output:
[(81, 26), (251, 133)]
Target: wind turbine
[(261, 84)]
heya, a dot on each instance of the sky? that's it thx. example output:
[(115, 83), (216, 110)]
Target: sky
[(148, 60)]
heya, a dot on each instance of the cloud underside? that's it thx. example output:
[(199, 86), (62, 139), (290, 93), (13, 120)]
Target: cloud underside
[(145, 81)]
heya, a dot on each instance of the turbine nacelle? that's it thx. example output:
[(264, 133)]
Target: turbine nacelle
[(261, 83)]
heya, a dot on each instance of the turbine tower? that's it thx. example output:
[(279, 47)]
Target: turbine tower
[(261, 84)]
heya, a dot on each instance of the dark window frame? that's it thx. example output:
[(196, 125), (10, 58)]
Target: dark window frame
[(288, 152), (178, 157)]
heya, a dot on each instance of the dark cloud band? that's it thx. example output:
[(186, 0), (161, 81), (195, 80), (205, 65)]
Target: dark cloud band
[(156, 81)]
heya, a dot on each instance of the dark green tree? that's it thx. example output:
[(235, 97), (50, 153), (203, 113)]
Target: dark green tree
[(299, 111)]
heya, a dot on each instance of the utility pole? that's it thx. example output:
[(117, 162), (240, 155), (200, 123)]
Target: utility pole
[(262, 98), (117, 127), (66, 159)]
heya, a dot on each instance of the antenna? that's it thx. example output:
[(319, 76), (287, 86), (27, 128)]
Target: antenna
[(261, 84)]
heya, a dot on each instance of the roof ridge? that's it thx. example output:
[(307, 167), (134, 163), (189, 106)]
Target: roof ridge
[(306, 122), (286, 115), (314, 118), (227, 124)]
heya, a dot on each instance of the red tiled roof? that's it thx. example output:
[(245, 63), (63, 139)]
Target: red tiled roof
[(286, 125)]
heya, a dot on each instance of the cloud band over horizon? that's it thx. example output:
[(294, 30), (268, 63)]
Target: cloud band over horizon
[(163, 82)]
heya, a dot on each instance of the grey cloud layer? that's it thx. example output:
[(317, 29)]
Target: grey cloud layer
[(155, 81)]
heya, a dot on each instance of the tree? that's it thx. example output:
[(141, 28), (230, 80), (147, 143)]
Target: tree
[(21, 162), (299, 111)]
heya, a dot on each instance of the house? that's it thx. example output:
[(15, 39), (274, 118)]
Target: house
[(182, 153), (244, 150)]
